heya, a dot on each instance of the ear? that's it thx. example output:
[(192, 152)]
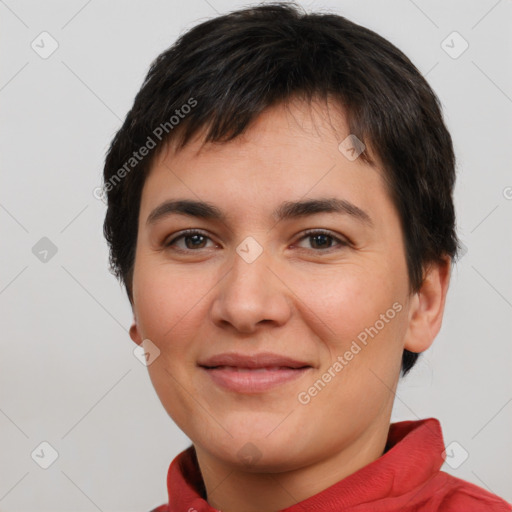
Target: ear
[(134, 332), (427, 307)]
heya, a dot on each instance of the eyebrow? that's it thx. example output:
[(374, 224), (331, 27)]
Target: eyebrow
[(287, 210)]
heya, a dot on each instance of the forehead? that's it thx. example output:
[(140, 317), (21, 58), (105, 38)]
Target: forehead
[(314, 121), (289, 151)]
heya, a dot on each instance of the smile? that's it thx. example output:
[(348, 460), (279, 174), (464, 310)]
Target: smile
[(252, 374)]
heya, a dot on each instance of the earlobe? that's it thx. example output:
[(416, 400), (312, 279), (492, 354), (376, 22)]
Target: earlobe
[(135, 334), (427, 308)]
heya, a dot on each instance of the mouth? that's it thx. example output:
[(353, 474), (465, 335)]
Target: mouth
[(252, 374)]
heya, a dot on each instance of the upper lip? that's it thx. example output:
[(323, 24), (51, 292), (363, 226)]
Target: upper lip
[(261, 360)]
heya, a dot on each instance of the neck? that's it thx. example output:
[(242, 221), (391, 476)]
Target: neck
[(231, 488)]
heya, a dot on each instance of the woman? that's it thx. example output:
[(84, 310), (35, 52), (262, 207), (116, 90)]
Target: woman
[(280, 211)]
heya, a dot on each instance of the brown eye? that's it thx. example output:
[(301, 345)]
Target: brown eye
[(189, 241), (322, 240)]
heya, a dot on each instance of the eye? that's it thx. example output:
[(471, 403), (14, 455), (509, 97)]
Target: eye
[(194, 240), (322, 240), (191, 238)]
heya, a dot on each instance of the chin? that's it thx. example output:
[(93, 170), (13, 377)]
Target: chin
[(265, 446), (259, 456)]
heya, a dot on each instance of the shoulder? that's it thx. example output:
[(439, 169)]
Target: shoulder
[(458, 494)]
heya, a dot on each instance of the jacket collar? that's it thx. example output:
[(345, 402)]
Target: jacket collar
[(413, 455)]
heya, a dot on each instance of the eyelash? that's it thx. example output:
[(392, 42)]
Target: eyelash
[(307, 234)]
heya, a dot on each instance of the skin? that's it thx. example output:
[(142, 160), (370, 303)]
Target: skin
[(304, 297)]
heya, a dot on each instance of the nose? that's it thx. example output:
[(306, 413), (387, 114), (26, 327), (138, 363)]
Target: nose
[(250, 295)]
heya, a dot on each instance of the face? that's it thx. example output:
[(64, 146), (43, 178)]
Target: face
[(280, 327)]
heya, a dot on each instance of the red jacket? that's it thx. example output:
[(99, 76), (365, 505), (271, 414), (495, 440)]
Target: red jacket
[(406, 478)]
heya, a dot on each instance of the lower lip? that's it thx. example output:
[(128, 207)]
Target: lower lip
[(253, 381)]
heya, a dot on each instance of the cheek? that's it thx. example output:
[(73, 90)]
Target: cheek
[(363, 321), (169, 312), (351, 298), (365, 318), (166, 300), (167, 289)]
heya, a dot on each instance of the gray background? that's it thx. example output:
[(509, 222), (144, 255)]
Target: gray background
[(68, 375)]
